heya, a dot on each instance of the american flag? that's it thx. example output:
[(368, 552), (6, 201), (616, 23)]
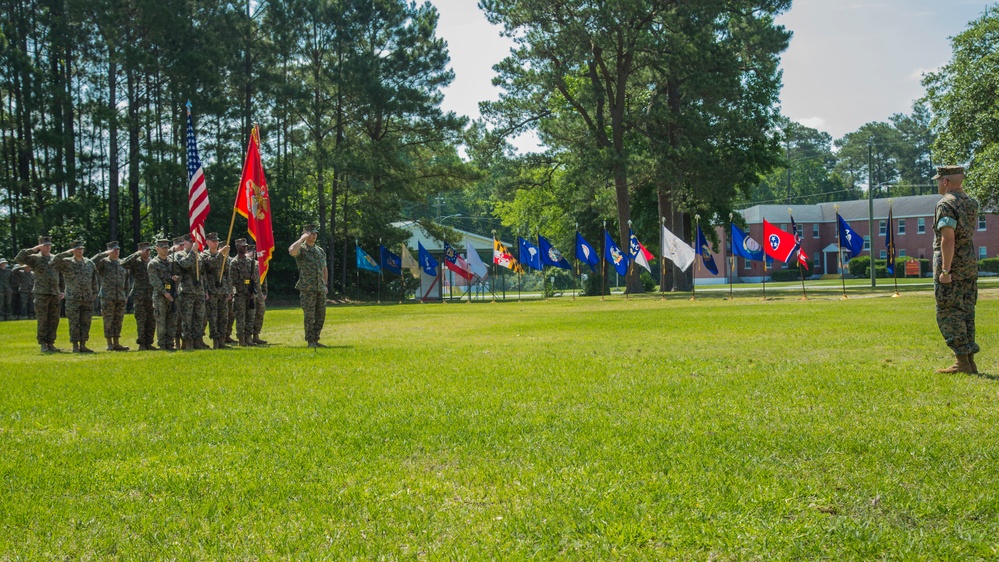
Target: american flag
[(197, 191)]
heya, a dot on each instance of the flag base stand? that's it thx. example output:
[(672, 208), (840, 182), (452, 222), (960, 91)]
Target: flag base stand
[(804, 299), (895, 295), (844, 297)]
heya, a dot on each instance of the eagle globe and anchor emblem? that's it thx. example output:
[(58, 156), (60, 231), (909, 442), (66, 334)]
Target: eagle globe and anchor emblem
[(257, 200)]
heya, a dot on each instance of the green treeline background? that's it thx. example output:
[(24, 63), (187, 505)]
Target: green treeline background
[(646, 108)]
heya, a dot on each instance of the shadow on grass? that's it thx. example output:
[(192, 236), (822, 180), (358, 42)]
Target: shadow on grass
[(987, 376)]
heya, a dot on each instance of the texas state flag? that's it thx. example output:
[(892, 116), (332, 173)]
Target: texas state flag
[(778, 244)]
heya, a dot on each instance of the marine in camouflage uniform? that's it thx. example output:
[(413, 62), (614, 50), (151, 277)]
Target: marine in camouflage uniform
[(6, 290), (243, 279), (260, 300), (142, 297), (81, 292), (312, 280), (24, 282), (955, 268), (192, 295), (163, 276), (47, 290), (219, 290), (230, 302), (114, 293)]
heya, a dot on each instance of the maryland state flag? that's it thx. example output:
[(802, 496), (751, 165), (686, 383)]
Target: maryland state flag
[(254, 203), (503, 258)]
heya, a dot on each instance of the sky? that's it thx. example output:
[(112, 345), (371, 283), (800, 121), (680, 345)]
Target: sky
[(850, 62)]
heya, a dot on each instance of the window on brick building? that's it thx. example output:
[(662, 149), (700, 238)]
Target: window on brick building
[(815, 231), (867, 242), (882, 228), (901, 253), (884, 254), (981, 222), (921, 226), (901, 227), (982, 252)]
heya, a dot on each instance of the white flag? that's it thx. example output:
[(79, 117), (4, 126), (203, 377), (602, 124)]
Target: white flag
[(409, 263), (475, 263), (677, 250)]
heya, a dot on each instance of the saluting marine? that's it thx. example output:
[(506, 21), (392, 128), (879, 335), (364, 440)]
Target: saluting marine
[(114, 288), (137, 265), (81, 291), (48, 290)]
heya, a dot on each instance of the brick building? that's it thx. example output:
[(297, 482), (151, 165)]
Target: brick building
[(912, 223)]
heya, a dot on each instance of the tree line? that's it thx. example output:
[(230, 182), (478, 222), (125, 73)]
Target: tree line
[(645, 108)]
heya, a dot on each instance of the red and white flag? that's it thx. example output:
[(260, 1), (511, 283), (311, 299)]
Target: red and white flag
[(197, 191), (778, 244)]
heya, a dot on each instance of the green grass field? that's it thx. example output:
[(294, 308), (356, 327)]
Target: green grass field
[(564, 429)]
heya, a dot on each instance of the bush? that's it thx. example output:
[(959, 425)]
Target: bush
[(989, 264), (859, 266), (790, 274), (648, 283)]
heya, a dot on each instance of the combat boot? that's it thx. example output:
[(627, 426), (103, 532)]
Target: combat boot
[(974, 366), (258, 341), (84, 348), (961, 365), (116, 346), (45, 348), (228, 339), (76, 347), (223, 345), (110, 345), (199, 343), (53, 348)]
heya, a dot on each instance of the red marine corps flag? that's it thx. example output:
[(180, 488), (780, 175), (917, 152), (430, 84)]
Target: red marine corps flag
[(254, 203)]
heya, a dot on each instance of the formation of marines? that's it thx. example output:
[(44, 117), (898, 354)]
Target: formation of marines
[(176, 294)]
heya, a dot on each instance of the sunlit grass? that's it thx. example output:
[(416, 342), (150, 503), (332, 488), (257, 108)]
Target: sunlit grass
[(581, 429)]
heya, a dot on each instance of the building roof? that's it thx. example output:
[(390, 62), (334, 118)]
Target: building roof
[(418, 235), (902, 207)]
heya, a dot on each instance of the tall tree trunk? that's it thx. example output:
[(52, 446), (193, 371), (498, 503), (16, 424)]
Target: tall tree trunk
[(113, 170)]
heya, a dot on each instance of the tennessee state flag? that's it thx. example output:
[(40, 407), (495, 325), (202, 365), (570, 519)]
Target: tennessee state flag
[(254, 203), (778, 244)]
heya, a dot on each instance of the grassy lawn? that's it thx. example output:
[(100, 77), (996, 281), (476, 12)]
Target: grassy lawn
[(564, 429)]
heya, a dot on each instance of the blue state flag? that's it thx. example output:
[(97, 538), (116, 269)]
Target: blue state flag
[(585, 252), (848, 238), (427, 262), (744, 246), (389, 261), (704, 251), (529, 254), (364, 261), (614, 255), (551, 256)]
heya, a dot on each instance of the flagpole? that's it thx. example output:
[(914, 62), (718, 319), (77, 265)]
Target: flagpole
[(631, 265), (575, 262), (402, 277), (662, 259), (603, 264), (839, 253), (492, 281), (731, 262), (801, 273), (520, 273), (544, 280), (697, 262), (894, 266)]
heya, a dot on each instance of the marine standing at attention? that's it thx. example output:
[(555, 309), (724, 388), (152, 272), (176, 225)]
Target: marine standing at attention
[(163, 275), (955, 268), (313, 277)]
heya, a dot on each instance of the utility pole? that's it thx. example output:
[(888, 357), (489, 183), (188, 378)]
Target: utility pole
[(870, 204)]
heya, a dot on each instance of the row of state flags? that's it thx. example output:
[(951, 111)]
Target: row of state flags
[(779, 245)]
